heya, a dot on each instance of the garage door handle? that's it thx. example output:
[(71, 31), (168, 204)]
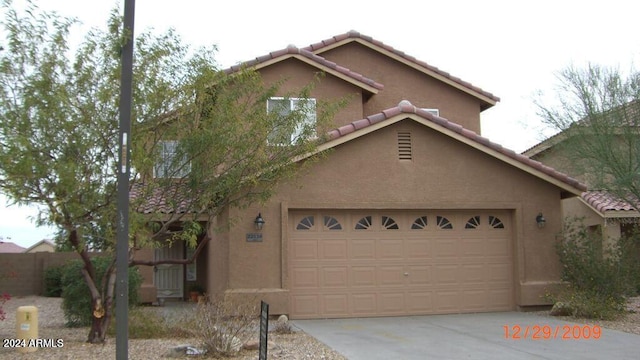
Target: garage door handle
[(406, 274)]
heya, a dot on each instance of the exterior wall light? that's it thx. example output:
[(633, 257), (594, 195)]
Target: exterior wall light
[(259, 221), (540, 220)]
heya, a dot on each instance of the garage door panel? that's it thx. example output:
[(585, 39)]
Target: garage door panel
[(305, 250), (389, 249), (364, 304), (335, 305), (418, 249), (363, 276), (305, 306), (390, 276), (334, 277), (473, 247), (391, 303), (446, 301), (473, 274), (443, 248), (419, 302), (474, 300), (333, 249), (363, 250), (418, 275), (304, 278), (384, 263), (446, 274)]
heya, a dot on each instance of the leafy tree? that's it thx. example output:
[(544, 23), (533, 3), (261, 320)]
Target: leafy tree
[(598, 116), (59, 138)]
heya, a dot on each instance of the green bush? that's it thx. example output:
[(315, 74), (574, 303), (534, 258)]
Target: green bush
[(76, 302), (53, 281), (599, 277)]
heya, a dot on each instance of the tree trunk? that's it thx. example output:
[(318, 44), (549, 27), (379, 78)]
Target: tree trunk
[(98, 332)]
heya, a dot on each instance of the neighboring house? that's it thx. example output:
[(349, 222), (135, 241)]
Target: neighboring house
[(41, 246), (411, 212), (599, 210), (9, 247)]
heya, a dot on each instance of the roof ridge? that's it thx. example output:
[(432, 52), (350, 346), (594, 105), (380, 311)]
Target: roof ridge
[(293, 50), (405, 107), (353, 34)]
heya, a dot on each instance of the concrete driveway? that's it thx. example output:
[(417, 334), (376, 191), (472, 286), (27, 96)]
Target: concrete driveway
[(470, 336)]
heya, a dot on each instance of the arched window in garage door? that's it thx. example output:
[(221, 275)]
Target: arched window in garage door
[(473, 222), (332, 223), (495, 222), (443, 223), (364, 223), (389, 224), (420, 223), (306, 223)]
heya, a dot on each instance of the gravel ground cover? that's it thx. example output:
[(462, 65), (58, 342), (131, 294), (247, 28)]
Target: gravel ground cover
[(297, 345)]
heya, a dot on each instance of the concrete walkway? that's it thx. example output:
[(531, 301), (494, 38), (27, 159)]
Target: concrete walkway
[(470, 336)]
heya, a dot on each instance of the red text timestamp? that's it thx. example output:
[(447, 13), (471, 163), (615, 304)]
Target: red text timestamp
[(551, 332)]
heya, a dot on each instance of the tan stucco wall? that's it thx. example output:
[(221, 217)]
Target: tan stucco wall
[(365, 173), (404, 83)]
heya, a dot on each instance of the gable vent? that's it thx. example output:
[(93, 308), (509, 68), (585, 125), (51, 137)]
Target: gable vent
[(404, 145)]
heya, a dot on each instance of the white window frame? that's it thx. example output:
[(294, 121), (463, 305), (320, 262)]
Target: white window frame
[(160, 169), (310, 119)]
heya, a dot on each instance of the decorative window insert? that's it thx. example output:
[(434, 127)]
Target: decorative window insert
[(443, 223), (473, 223), (364, 223), (285, 135), (389, 224), (495, 222), (332, 223), (172, 163), (420, 223), (306, 223), (404, 145)]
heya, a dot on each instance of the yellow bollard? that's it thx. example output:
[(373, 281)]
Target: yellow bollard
[(27, 326)]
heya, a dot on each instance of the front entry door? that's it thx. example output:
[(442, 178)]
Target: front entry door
[(168, 278)]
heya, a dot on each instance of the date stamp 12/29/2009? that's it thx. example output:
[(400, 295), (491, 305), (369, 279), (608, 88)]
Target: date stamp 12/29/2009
[(551, 332)]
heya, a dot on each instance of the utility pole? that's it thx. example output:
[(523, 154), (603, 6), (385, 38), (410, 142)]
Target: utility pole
[(122, 239)]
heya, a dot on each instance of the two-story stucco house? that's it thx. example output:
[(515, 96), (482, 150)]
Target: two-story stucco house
[(411, 212)]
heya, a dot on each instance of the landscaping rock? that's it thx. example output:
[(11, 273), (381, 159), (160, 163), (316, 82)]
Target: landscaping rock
[(255, 345), (561, 309), (182, 350)]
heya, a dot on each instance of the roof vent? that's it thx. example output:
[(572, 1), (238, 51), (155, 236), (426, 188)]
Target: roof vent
[(404, 145)]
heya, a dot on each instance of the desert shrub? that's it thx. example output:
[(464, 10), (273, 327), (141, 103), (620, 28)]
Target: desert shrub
[(53, 281), (157, 323), (223, 324), (76, 298), (599, 277)]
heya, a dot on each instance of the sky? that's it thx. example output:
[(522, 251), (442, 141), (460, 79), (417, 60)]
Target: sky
[(512, 49)]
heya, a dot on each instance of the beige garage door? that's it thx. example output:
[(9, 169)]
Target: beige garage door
[(389, 263)]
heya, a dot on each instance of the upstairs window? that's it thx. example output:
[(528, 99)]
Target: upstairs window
[(284, 106), (171, 164)]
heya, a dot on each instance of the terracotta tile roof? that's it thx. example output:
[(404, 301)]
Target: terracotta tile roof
[(292, 50), (356, 35), (9, 247), (405, 107), (604, 201), (159, 199)]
